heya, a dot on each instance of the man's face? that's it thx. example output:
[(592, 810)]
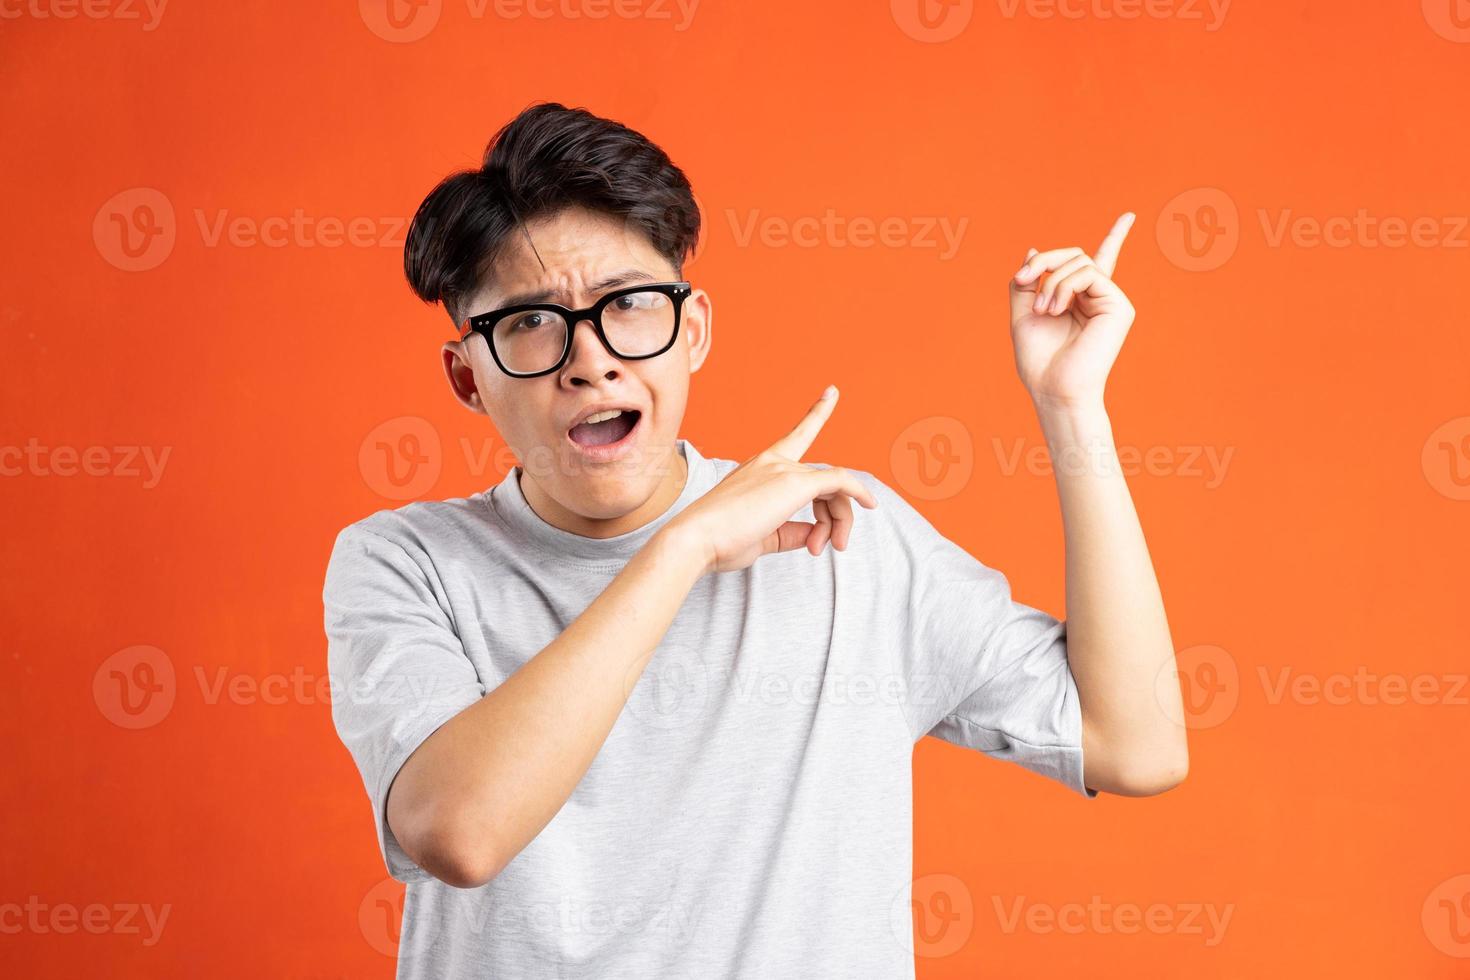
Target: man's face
[(580, 256)]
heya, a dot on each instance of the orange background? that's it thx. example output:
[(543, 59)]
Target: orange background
[(1332, 544)]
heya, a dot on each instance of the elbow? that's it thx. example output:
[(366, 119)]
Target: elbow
[(1137, 770), (452, 849), (460, 866), (466, 875), (1150, 775)]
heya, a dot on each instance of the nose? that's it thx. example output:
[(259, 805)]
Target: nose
[(589, 361)]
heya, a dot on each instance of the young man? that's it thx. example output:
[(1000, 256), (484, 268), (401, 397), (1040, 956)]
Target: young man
[(637, 711)]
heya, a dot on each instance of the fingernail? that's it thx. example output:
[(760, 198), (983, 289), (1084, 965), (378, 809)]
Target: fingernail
[(830, 392), (1021, 273)]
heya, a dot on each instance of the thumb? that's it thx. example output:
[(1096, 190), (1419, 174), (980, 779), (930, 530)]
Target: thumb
[(789, 536), (1023, 296)]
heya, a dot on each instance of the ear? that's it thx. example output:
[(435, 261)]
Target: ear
[(461, 373), (699, 327)]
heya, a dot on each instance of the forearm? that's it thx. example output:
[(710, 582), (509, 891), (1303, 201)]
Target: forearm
[(1118, 640), (484, 785)]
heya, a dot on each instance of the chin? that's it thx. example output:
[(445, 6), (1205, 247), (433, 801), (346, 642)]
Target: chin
[(603, 496)]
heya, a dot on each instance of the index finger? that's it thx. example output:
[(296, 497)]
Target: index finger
[(795, 443), (1107, 253)]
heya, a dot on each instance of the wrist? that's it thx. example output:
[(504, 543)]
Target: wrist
[(1079, 440), (677, 544), (1071, 419)]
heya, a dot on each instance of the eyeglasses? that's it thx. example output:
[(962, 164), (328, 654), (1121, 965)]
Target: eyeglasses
[(533, 339)]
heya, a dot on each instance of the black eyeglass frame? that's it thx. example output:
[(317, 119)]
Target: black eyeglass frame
[(484, 323)]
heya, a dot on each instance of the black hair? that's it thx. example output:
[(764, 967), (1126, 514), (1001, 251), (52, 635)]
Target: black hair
[(549, 157)]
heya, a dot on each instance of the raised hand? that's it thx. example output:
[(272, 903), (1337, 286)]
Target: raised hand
[(744, 515), (1068, 321)]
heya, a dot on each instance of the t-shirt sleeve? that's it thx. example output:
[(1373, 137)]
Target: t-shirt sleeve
[(981, 669), (398, 670)]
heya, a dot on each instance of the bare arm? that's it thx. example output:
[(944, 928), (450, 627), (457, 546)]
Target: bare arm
[(1118, 640), (1068, 322), (481, 788)]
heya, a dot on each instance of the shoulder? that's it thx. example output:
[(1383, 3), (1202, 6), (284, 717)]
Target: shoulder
[(419, 530), (895, 527), (892, 505)]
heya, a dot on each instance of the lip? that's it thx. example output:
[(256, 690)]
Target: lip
[(590, 410), (613, 450)]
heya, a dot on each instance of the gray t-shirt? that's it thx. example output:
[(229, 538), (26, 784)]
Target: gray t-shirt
[(750, 813)]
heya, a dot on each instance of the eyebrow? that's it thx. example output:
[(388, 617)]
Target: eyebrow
[(625, 278)]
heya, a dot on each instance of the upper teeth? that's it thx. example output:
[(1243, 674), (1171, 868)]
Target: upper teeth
[(611, 413)]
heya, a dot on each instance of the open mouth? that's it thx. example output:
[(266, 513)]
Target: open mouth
[(605, 428)]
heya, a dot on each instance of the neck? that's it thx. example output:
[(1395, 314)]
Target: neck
[(662, 498)]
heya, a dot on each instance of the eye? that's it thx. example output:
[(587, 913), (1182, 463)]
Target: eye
[(637, 301)]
